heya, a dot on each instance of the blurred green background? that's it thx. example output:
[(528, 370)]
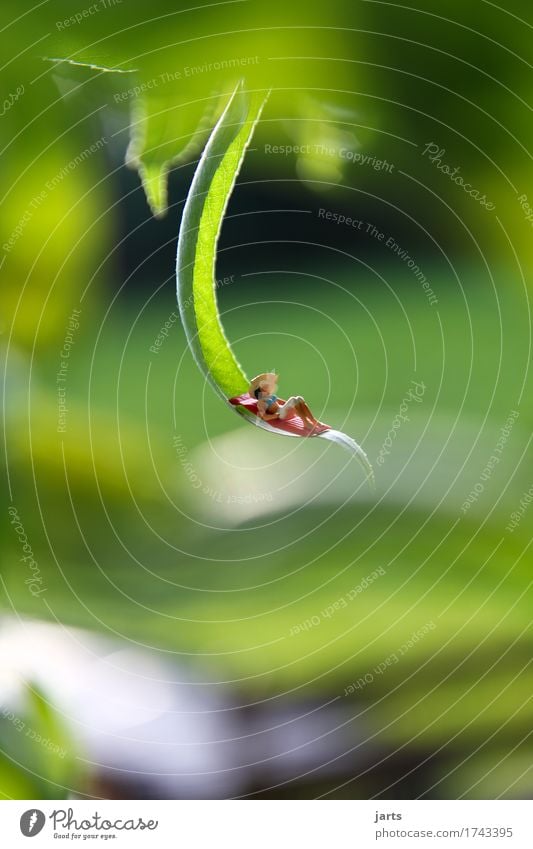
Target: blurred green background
[(157, 522)]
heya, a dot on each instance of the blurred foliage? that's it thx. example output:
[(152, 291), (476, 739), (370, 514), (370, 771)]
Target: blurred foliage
[(393, 76), (119, 556), (37, 759)]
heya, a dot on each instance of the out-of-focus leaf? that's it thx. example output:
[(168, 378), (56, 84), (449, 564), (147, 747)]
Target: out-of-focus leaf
[(39, 756), (160, 139)]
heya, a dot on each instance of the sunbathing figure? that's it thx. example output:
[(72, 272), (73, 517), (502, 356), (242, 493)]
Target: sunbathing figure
[(293, 415)]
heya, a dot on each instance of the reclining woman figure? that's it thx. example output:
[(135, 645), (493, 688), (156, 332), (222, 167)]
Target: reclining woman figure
[(269, 406)]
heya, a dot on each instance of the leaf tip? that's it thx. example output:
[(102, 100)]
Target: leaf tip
[(155, 183)]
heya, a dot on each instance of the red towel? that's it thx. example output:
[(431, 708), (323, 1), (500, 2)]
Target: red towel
[(292, 424)]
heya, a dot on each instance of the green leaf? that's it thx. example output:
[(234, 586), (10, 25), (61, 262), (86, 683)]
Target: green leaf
[(196, 258), (199, 232), (39, 758), (154, 148)]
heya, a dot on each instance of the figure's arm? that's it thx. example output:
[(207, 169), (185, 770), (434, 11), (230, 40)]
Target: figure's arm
[(262, 412)]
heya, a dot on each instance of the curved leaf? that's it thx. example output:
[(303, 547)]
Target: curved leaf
[(354, 448), (196, 257), (200, 227)]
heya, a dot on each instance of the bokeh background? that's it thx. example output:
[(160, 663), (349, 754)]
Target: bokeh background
[(193, 608)]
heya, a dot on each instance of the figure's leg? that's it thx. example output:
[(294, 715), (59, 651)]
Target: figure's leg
[(303, 410), (297, 403), (287, 407)]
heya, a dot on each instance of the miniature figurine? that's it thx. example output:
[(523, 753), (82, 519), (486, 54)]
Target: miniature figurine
[(262, 406), (269, 406), (293, 415)]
